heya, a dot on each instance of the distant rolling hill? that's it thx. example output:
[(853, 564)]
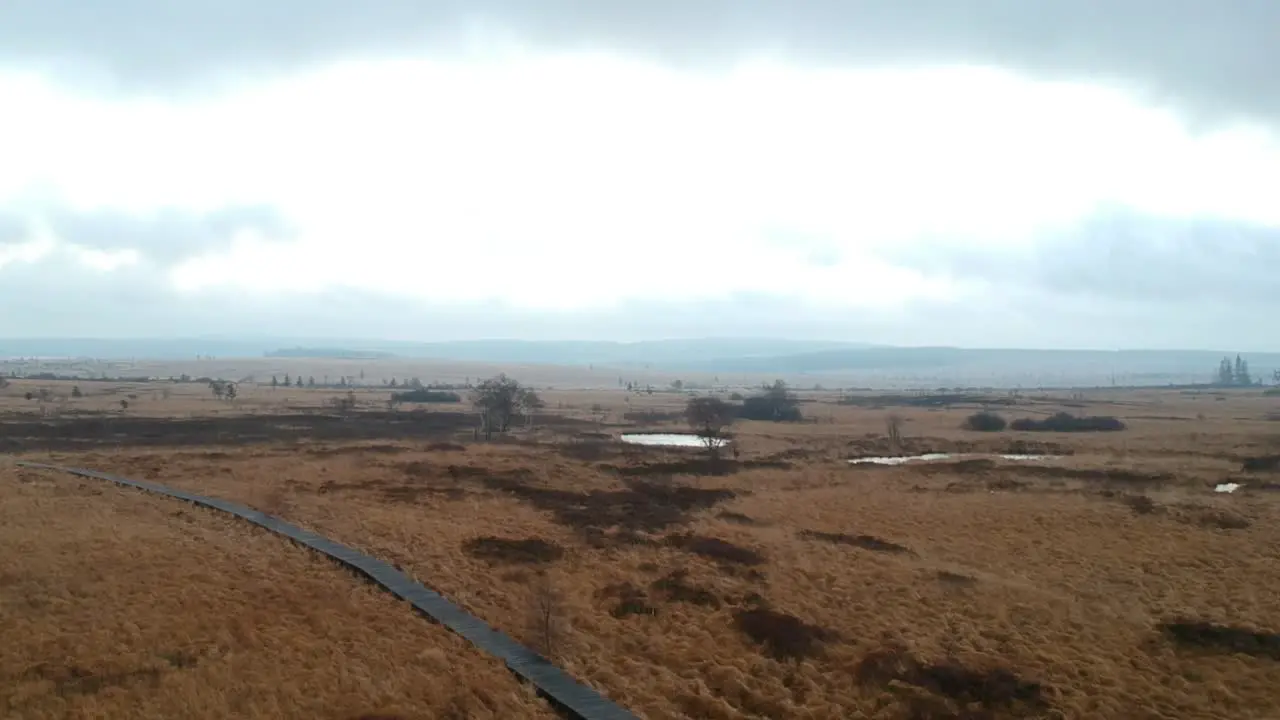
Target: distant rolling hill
[(999, 366), (938, 357), (825, 361), (657, 353), (586, 352)]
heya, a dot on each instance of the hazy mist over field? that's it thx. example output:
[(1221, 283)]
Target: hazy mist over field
[(1057, 174)]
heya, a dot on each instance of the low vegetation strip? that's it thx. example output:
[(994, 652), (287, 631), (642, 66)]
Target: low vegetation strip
[(577, 700)]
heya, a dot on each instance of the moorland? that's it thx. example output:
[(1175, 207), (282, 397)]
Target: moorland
[(1092, 569)]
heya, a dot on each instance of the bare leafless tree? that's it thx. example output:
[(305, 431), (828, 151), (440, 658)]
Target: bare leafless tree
[(547, 621), (600, 413), (344, 403), (710, 418), (501, 399), (893, 430)]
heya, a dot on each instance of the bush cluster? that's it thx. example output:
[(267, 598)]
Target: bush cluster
[(1066, 422), (985, 422), (426, 396)]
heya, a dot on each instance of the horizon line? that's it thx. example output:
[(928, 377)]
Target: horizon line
[(852, 344)]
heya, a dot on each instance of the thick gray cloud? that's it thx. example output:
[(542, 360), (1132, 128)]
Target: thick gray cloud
[(1120, 279), (57, 297), (166, 237), (1127, 257), (1214, 59)]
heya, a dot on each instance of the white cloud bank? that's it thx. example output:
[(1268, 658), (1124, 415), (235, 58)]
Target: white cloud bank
[(591, 184)]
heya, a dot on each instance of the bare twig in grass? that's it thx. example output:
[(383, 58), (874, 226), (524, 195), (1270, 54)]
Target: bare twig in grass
[(275, 501), (1140, 504), (893, 430), (548, 624)]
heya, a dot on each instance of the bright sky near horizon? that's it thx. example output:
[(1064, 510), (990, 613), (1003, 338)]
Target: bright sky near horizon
[(524, 184)]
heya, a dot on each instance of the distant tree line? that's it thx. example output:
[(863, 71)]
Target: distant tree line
[(329, 353), (48, 376), (1233, 373)]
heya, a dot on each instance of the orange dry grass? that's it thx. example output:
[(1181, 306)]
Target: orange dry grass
[(1048, 574), (114, 604)]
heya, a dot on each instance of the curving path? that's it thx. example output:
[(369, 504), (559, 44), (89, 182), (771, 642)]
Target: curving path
[(574, 698)]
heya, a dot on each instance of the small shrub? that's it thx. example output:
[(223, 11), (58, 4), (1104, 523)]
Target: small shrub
[(275, 501), (956, 579), (631, 600), (985, 422), (651, 417), (528, 550), (776, 404), (344, 404), (588, 450), (1223, 520), (425, 395), (1066, 422), (737, 517), (1006, 485), (986, 689), (1140, 504), (784, 637), (676, 588), (866, 542), (768, 410), (1224, 639), (1266, 463), (716, 549)]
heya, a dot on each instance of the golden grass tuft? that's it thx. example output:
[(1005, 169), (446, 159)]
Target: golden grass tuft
[(115, 604)]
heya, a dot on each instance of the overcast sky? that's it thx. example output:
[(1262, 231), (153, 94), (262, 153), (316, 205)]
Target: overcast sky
[(1060, 173)]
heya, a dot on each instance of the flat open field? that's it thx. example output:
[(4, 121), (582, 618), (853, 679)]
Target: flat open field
[(117, 604), (1102, 578)]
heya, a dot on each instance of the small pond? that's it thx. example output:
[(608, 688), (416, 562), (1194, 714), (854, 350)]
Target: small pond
[(669, 440), (930, 457)]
